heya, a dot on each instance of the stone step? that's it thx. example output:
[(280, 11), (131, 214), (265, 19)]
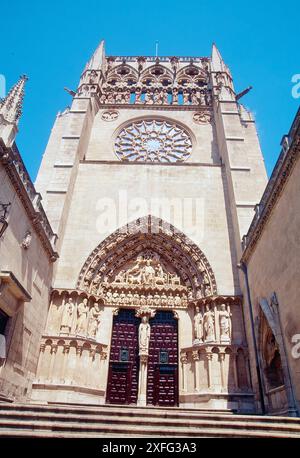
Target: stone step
[(123, 411), (199, 421), (53, 429), (32, 420)]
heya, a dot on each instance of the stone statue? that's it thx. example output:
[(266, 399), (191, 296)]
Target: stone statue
[(120, 277), (110, 98), (202, 98), (67, 317), (156, 300), (198, 326), (119, 96), (95, 283), (177, 300), (148, 97), (156, 97), (208, 324), (94, 321), (149, 299), (26, 240), (164, 299), (175, 96), (123, 298), (143, 300), (82, 312), (126, 96), (144, 336), (225, 324), (115, 298), (159, 275), (194, 97), (148, 274), (165, 98), (186, 97), (109, 297), (205, 279), (170, 300), (129, 299), (138, 95)]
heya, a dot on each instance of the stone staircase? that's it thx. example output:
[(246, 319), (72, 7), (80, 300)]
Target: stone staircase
[(74, 421)]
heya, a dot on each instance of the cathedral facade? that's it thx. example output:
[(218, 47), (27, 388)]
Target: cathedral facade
[(149, 182)]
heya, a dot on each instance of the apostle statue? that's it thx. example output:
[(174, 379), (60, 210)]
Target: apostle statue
[(67, 317), (144, 336), (198, 326), (82, 312), (208, 324), (225, 324), (94, 321)]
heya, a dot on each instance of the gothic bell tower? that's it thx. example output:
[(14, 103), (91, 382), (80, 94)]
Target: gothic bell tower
[(150, 179)]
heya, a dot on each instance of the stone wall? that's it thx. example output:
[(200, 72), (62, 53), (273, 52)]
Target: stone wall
[(274, 267), (26, 275)]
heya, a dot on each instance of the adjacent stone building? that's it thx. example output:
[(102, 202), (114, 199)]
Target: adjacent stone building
[(271, 265), (149, 180), (27, 253)]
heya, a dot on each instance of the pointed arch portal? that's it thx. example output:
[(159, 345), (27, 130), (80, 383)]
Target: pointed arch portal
[(146, 265), (180, 261)]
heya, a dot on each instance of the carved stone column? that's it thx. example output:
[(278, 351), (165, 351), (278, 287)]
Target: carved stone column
[(209, 369), (144, 313), (41, 362), (221, 359), (247, 370), (142, 393), (64, 363), (196, 358), (184, 360), (103, 358), (51, 365), (235, 374), (77, 367)]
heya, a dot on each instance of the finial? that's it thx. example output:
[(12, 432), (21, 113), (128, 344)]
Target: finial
[(11, 105)]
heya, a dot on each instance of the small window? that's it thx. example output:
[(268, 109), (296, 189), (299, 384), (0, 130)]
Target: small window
[(124, 355), (3, 321), (163, 357)]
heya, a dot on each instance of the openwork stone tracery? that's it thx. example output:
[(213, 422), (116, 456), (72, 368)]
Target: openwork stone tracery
[(143, 81), (153, 141)]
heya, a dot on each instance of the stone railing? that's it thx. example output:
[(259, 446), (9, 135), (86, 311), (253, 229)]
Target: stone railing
[(219, 368), (71, 362), (159, 59)]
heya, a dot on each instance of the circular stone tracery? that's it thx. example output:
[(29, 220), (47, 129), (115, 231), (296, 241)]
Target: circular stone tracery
[(153, 141)]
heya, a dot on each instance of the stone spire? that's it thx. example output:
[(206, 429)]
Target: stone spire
[(221, 76), (97, 59), (217, 62), (11, 110)]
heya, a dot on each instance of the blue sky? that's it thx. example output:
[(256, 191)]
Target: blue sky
[(51, 42)]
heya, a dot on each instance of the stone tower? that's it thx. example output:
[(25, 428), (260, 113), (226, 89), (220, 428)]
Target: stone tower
[(150, 179)]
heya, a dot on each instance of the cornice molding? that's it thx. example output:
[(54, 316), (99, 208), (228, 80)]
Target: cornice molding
[(288, 157), (12, 162)]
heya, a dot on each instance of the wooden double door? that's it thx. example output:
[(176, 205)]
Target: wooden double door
[(162, 374)]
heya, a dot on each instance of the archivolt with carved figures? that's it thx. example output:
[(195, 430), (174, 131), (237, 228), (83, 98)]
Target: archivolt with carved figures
[(148, 262)]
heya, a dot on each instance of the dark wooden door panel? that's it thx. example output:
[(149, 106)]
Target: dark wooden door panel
[(123, 365), (162, 387)]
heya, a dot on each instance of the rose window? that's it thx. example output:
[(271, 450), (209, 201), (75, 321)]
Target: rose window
[(153, 141)]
